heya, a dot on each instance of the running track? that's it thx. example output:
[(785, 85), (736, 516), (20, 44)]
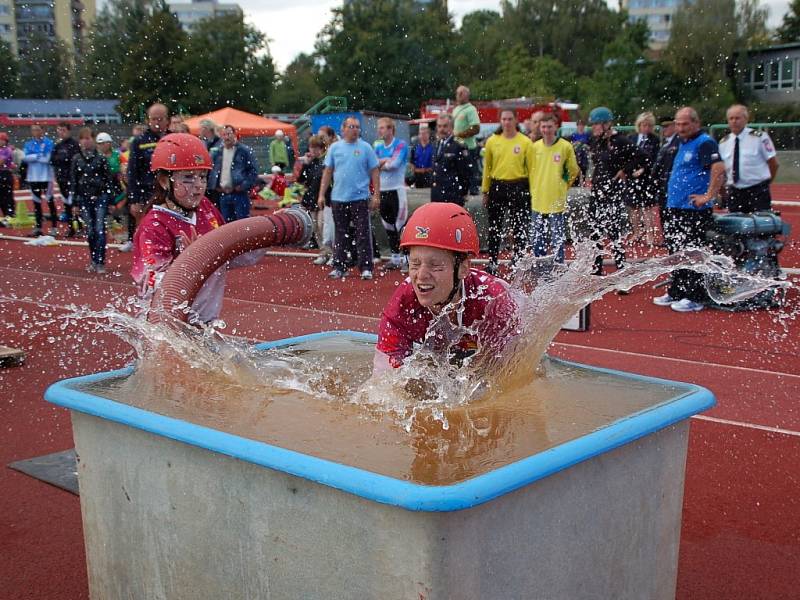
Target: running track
[(741, 525)]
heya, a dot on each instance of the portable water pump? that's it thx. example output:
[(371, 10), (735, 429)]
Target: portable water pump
[(753, 241)]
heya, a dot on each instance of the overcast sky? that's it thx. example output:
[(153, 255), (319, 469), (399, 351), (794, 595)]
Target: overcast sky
[(292, 25)]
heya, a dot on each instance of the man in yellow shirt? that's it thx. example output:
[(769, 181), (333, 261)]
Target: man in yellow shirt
[(555, 168), (506, 187)]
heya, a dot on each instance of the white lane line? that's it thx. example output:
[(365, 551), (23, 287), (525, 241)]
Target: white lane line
[(747, 425), (679, 360)]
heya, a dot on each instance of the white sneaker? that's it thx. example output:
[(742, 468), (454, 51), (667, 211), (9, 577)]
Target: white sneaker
[(100, 269), (320, 260), (91, 267), (366, 274), (337, 274), (126, 247), (686, 305), (664, 300)]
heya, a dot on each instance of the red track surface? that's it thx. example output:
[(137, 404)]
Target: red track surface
[(741, 526)]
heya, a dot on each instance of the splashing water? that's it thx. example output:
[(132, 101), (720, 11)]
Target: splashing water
[(191, 364), (547, 295)]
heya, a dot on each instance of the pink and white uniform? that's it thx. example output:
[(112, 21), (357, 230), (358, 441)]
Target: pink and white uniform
[(486, 306), (158, 242)]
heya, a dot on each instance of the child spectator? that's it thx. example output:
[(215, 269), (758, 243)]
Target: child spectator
[(278, 184), (7, 167), (311, 176)]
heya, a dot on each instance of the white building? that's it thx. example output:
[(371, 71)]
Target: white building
[(658, 14), (189, 13)]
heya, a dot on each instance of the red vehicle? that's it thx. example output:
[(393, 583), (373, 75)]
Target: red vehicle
[(489, 110)]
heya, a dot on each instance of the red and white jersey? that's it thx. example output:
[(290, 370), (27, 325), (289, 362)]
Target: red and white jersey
[(157, 243), (487, 307)]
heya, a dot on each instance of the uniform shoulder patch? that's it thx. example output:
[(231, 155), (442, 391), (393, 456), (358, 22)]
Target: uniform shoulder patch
[(756, 132)]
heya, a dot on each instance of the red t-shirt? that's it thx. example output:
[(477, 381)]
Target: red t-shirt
[(278, 184), (488, 308), (157, 241)]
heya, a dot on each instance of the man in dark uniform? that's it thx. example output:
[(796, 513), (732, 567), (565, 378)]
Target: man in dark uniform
[(61, 159), (451, 165), (615, 158), (662, 168), (140, 179)]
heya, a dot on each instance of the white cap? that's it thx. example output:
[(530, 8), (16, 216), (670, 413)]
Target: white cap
[(103, 137), (279, 133), (276, 169)]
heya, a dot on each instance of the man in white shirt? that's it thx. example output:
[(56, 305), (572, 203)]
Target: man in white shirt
[(750, 163)]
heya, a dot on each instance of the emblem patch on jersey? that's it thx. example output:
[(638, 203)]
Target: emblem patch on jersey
[(422, 232), (687, 157), (517, 149), (557, 157), (356, 152)]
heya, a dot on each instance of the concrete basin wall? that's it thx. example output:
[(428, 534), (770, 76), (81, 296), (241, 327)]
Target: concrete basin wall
[(165, 519)]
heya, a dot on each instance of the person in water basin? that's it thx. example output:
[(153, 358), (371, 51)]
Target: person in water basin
[(177, 214), (442, 288)]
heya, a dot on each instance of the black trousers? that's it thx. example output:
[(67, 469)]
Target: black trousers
[(751, 199), (607, 219), (70, 210), (686, 228), (394, 218), (357, 213), (7, 193), (509, 207), (39, 191)]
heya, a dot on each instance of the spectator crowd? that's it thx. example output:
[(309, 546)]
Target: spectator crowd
[(643, 189)]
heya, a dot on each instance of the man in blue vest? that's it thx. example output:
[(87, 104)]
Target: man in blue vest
[(697, 175)]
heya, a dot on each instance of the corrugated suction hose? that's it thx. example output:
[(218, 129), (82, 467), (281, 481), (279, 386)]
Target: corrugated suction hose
[(189, 271)]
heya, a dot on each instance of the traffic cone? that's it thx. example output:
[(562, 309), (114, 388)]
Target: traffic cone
[(22, 218)]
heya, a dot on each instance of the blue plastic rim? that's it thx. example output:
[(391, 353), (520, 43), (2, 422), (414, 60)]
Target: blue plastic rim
[(381, 488)]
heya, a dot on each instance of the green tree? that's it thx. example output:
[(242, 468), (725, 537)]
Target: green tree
[(387, 54), (153, 69), (719, 30), (227, 62), (9, 71), (117, 29), (45, 68), (520, 74), (621, 83), (480, 40), (298, 88), (571, 32), (789, 31)]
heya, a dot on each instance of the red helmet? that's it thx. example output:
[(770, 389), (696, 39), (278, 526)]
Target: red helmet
[(180, 152), (441, 225)]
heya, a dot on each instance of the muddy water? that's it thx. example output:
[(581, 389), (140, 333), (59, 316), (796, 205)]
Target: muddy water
[(319, 418)]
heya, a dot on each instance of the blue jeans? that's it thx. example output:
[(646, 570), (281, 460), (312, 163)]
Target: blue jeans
[(93, 211), (234, 206), (542, 224)]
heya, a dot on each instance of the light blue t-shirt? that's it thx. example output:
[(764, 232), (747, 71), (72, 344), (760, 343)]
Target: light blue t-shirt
[(393, 175), (351, 164)]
